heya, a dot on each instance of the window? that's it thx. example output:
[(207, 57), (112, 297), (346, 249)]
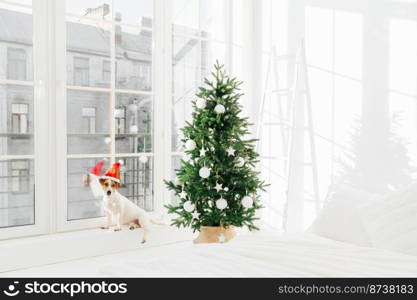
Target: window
[(20, 176), (20, 118), (17, 98), (120, 116), (16, 64), (89, 119), (145, 75), (117, 117), (106, 71), (81, 71), (104, 53), (201, 34)]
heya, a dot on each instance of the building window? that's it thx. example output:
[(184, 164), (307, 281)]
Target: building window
[(89, 119), (81, 71), (120, 116), (16, 64), (20, 118), (20, 176), (106, 71), (144, 71)]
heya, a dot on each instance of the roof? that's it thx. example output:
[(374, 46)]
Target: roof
[(85, 38)]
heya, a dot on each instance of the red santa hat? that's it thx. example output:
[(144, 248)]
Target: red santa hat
[(97, 168), (113, 172)]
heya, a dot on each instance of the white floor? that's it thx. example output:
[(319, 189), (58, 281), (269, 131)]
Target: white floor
[(88, 267)]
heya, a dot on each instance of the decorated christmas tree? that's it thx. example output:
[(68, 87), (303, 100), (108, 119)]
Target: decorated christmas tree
[(217, 183)]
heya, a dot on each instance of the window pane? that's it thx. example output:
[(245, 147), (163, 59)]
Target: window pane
[(88, 119), (319, 36), (88, 44), (16, 43), (186, 71), (16, 193), (185, 15), (212, 19), (82, 203), (181, 108), (133, 123), (98, 9), (134, 58), (137, 181), (348, 44), (134, 12), (16, 120)]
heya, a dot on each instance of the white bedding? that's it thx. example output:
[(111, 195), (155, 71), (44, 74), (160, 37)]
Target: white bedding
[(252, 255)]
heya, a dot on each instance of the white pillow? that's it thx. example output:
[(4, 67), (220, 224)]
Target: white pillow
[(340, 219), (391, 222)]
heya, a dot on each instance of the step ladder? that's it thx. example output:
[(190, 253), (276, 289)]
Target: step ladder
[(294, 122)]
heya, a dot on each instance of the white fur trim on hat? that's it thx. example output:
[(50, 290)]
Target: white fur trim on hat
[(111, 178)]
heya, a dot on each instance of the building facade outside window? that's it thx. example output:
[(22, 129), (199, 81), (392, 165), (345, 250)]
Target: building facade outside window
[(20, 117), (16, 64), (20, 176), (120, 120), (106, 71), (89, 119), (81, 71)]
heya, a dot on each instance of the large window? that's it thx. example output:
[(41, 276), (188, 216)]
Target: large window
[(113, 81), (361, 71)]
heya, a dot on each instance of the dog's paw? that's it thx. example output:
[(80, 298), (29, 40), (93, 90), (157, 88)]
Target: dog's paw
[(118, 229), (104, 227)]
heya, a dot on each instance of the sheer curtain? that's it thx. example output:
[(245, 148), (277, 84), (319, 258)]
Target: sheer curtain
[(361, 66)]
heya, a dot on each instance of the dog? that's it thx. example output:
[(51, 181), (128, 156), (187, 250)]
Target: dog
[(123, 211)]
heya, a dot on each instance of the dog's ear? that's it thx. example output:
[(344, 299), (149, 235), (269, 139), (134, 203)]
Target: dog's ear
[(101, 180)]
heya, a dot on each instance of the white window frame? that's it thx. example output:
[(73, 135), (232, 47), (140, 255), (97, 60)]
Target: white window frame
[(41, 121), (62, 224)]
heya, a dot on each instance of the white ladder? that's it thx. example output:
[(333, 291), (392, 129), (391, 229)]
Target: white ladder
[(292, 130)]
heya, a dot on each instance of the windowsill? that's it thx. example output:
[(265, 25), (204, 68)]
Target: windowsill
[(47, 249)]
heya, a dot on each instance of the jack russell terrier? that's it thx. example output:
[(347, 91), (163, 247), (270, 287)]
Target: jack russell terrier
[(118, 208)]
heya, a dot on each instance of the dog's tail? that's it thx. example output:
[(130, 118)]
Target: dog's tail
[(154, 221)]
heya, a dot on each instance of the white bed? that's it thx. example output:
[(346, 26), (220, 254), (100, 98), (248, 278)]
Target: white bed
[(251, 255)]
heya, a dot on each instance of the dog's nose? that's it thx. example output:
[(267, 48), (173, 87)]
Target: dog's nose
[(108, 193)]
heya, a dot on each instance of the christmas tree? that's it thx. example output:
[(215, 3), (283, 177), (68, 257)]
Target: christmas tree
[(217, 183)]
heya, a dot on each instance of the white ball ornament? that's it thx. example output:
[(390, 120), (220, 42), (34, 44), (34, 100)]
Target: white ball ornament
[(186, 157), (247, 202), (107, 140), (143, 159), (190, 145), (221, 203), (201, 103), (188, 206), (134, 129), (219, 109), (132, 107), (204, 172), (240, 162)]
